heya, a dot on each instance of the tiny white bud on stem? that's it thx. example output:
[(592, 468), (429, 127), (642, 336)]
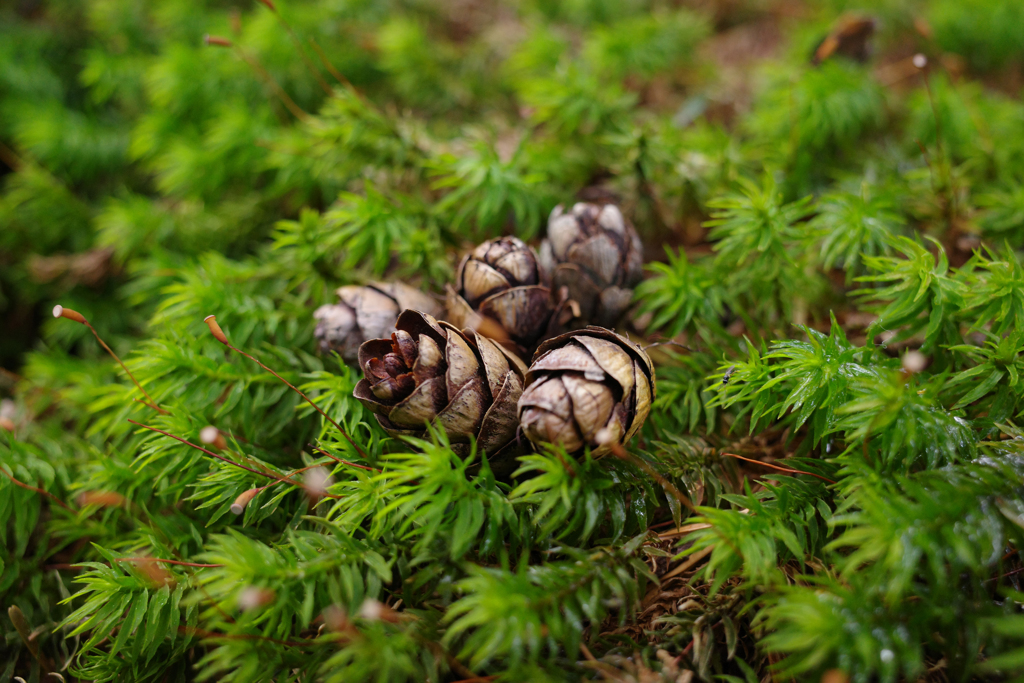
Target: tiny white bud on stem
[(316, 482), (371, 609), (211, 436), (336, 619), (914, 362), (253, 597)]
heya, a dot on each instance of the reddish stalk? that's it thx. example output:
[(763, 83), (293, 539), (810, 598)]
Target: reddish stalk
[(12, 160), (285, 98), (41, 492), (780, 469), (61, 312), (200, 448), (12, 376), (686, 650), (668, 342), (338, 76), (223, 459), (298, 46), (244, 498), (1015, 571), (345, 462), (620, 452), (150, 405), (218, 333), (661, 524), (262, 73)]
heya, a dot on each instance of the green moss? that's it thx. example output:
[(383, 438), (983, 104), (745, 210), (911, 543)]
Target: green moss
[(833, 252)]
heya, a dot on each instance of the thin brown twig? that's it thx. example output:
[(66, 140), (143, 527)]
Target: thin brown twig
[(200, 448), (125, 368), (12, 376), (61, 565), (285, 98), (150, 405), (661, 524), (894, 72), (689, 645), (780, 469), (338, 76), (222, 338), (10, 157), (223, 459), (686, 650), (668, 342), (1003, 576), (262, 73), (49, 495), (298, 46), (345, 462), (693, 559), (288, 477), (620, 452), (682, 530)]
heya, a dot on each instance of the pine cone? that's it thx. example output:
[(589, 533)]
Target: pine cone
[(498, 292), (365, 313), (597, 255), (431, 372), (586, 388)]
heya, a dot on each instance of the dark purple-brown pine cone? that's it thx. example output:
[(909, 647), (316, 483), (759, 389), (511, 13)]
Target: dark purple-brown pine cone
[(429, 372)]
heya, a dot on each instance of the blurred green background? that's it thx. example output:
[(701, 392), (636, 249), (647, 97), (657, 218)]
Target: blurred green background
[(131, 148)]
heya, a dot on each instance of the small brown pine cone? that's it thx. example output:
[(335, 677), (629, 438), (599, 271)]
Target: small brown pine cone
[(597, 256), (589, 388), (430, 372), (498, 292), (366, 312)]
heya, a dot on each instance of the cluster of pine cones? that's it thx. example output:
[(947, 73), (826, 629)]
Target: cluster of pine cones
[(586, 388)]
